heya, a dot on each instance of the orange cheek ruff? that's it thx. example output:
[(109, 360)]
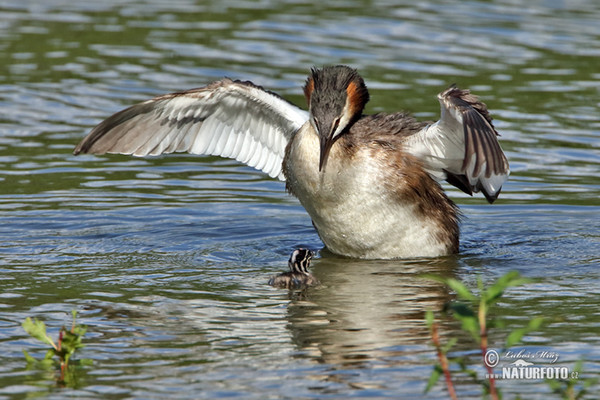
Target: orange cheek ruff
[(308, 89), (355, 98)]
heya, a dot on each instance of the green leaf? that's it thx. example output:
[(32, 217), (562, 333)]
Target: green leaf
[(48, 361), (472, 326), (554, 384), (466, 315), (37, 329), (80, 330), (71, 341), (429, 318), (462, 310), (578, 366), (515, 336), (29, 358), (495, 323), (511, 278), (449, 345), (86, 362), (472, 373), (460, 289), (434, 377), (49, 354), (589, 382)]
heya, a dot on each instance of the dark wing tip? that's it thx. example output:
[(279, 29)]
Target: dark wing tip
[(462, 183), (490, 197), (459, 181)]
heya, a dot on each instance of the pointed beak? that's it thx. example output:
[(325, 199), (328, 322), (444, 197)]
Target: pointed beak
[(326, 143)]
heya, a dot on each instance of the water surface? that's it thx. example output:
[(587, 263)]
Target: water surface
[(166, 259)]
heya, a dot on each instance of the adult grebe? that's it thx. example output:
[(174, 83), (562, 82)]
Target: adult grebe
[(369, 182)]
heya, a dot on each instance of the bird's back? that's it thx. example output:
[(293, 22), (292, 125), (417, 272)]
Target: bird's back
[(394, 126)]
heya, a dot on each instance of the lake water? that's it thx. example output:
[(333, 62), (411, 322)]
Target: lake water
[(166, 259)]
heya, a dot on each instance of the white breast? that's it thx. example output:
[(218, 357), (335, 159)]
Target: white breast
[(352, 210)]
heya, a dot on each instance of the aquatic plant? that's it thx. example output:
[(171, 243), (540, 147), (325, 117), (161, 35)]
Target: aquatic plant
[(574, 387), (69, 341), (472, 312)]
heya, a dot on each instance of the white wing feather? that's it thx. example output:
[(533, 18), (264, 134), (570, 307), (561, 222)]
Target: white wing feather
[(226, 118), (462, 146)]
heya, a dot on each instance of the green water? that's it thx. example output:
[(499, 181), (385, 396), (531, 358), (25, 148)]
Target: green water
[(166, 259)]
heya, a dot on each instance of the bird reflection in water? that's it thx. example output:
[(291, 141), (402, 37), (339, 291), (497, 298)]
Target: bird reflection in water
[(370, 313)]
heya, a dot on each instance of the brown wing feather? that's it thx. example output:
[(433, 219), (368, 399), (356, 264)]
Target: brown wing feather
[(480, 134), (480, 141)]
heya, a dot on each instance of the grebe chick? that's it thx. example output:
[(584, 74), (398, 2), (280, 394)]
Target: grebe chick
[(298, 275)]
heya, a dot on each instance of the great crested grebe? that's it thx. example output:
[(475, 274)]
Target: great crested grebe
[(369, 182), (298, 276)]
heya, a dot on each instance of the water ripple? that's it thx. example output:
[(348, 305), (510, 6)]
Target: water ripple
[(166, 258)]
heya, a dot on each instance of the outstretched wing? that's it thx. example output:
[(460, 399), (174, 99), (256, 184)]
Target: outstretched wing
[(226, 118), (462, 147)]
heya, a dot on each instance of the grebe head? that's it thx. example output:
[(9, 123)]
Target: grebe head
[(336, 98), (300, 261)]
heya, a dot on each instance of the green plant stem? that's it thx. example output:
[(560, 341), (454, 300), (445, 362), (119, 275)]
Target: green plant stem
[(484, 346), (570, 393), (443, 361)]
